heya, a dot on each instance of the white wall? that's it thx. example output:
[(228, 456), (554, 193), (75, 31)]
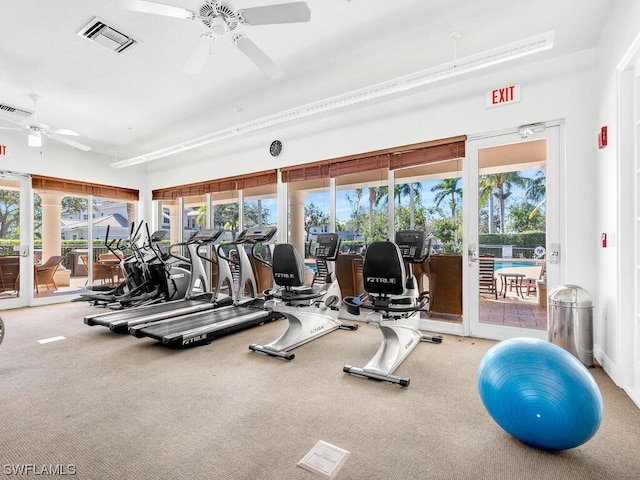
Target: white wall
[(614, 334)]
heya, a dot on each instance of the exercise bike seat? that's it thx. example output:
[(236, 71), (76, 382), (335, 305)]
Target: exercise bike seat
[(288, 274), (385, 278)]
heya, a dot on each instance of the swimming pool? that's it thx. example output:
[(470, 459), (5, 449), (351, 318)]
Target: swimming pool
[(508, 264)]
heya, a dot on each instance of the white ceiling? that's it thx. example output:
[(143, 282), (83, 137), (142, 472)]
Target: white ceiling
[(140, 101)]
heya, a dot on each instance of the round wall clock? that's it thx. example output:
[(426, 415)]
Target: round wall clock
[(275, 148)]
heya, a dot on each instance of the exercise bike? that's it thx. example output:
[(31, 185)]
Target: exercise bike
[(395, 301), (311, 312)]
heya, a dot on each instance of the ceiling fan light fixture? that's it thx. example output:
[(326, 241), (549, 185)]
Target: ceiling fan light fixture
[(35, 138), (219, 26)]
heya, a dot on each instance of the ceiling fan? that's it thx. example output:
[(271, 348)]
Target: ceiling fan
[(37, 129), (220, 18)]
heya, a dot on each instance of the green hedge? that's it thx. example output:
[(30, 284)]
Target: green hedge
[(526, 239)]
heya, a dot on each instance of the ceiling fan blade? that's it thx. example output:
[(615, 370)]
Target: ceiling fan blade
[(158, 9), (68, 141), (257, 56), (294, 12), (10, 128), (199, 54), (64, 131)]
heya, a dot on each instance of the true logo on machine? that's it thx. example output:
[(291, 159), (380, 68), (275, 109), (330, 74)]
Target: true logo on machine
[(380, 280), (283, 275), (187, 341)]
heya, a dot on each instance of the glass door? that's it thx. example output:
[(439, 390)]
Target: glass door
[(512, 255), (15, 232)]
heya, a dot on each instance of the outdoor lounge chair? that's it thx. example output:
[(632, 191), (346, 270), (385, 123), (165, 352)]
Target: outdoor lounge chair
[(529, 284), (487, 279), (43, 274), (103, 272)]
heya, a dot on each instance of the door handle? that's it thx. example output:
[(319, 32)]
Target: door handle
[(554, 253), (472, 251)]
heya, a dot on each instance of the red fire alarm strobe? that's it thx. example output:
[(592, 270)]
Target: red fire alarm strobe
[(602, 137)]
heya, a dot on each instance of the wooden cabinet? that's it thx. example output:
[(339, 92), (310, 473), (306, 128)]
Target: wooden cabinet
[(445, 284)]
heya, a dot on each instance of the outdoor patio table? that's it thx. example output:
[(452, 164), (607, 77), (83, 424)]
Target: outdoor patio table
[(510, 278)]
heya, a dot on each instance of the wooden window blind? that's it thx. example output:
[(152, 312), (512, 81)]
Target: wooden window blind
[(310, 171), (227, 184), (74, 187), (391, 158), (449, 149)]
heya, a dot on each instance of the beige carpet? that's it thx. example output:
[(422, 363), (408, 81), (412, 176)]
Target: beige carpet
[(117, 407)]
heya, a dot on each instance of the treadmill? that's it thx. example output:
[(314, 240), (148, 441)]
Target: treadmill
[(120, 321), (247, 311)]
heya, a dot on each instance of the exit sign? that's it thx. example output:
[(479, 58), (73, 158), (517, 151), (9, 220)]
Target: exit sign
[(3, 149), (503, 96)]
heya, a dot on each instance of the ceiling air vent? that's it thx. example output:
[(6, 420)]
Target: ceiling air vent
[(98, 31), (18, 112)]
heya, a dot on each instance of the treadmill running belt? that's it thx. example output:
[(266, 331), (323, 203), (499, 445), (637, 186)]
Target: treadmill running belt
[(203, 327)]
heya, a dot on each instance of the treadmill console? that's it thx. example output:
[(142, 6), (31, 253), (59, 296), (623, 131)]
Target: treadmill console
[(159, 235), (328, 246), (206, 236), (256, 235), (411, 244)]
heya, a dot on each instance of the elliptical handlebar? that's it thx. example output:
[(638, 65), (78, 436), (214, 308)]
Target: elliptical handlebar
[(109, 244)]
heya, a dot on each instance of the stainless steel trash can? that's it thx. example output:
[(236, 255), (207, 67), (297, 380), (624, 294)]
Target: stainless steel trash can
[(570, 310)]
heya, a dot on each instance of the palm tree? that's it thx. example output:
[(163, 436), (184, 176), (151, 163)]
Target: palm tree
[(448, 189), (411, 190), (500, 185), (486, 193), (374, 195), (536, 187), (414, 197), (201, 219)]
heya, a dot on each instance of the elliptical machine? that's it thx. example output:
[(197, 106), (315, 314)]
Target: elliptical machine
[(311, 312), (137, 282), (396, 304)]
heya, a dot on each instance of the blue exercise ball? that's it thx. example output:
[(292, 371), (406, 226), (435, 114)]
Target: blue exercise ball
[(540, 394)]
